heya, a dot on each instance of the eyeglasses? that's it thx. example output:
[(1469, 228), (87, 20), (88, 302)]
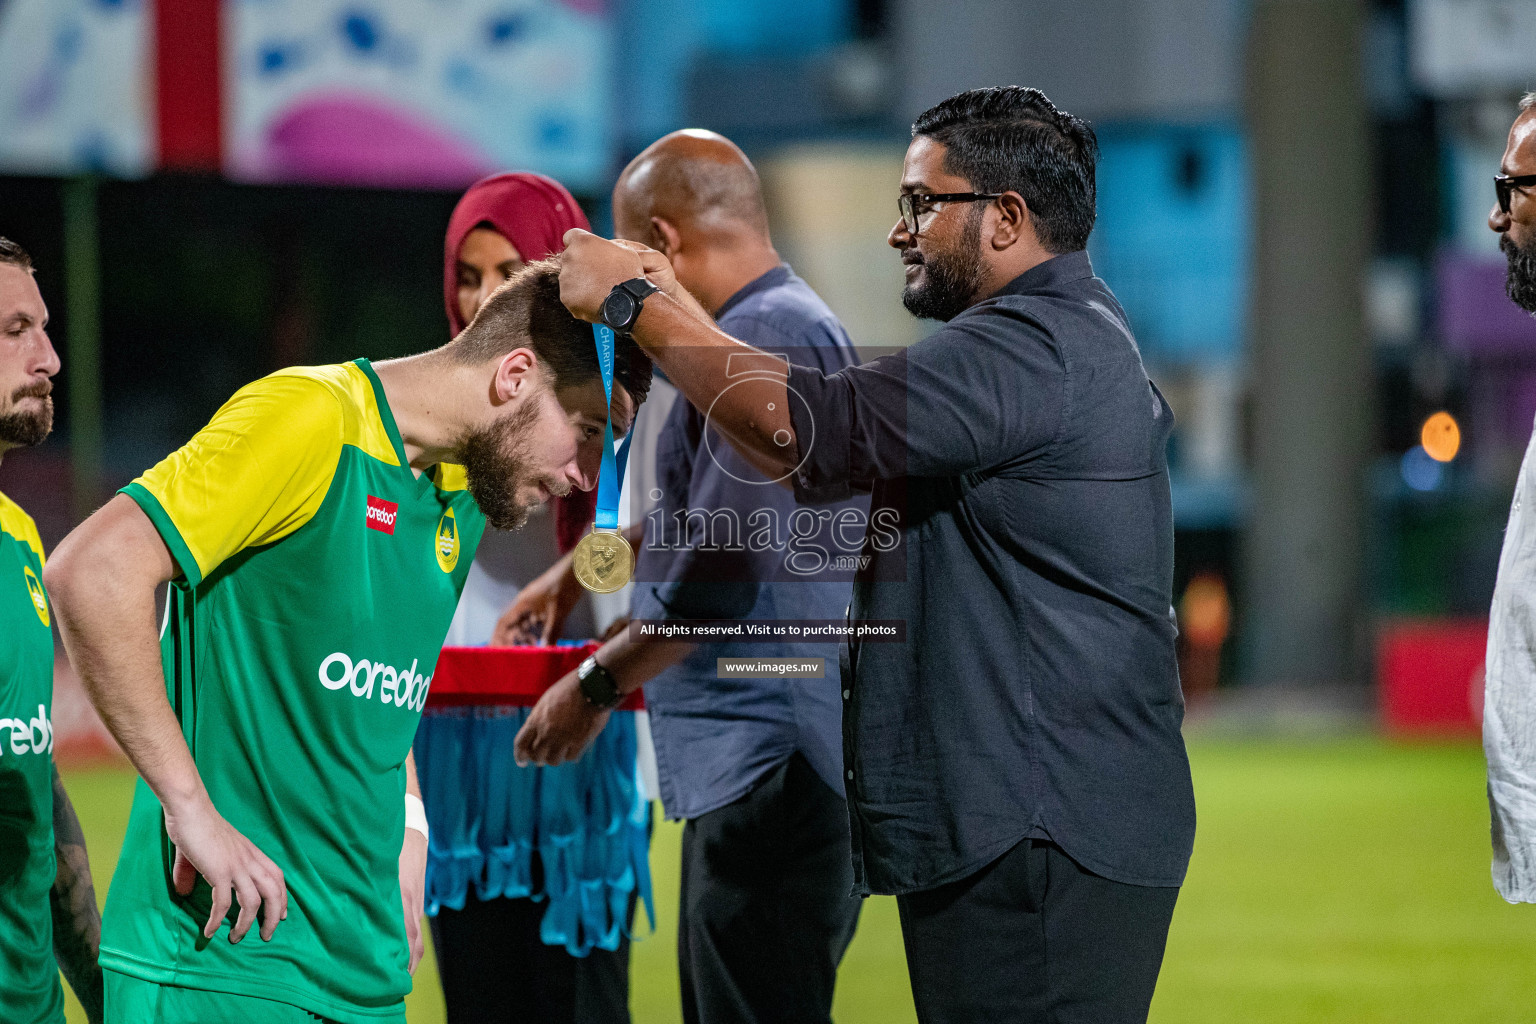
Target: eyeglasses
[(914, 206), (1505, 184)]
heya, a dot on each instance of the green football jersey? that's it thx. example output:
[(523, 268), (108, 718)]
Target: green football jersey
[(29, 979), (319, 576)]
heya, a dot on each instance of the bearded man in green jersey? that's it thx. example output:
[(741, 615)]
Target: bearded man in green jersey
[(48, 909), (315, 535)]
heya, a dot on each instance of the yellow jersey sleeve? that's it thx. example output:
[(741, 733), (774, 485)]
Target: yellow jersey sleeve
[(257, 472), (19, 525)]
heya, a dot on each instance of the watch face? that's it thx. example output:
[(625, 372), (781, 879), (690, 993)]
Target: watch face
[(618, 309)]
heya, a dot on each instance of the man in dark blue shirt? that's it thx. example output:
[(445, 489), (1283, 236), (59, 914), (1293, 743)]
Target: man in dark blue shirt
[(1015, 769), (754, 764)]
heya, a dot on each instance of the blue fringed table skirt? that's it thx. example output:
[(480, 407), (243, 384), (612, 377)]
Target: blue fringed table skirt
[(588, 821)]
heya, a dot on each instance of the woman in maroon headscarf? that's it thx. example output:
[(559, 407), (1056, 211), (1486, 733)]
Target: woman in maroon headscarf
[(502, 223), (493, 964)]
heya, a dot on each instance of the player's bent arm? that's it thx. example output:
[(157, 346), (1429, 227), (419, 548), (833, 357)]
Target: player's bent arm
[(102, 581), (76, 918)]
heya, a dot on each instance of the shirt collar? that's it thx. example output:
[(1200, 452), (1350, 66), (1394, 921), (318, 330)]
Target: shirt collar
[(775, 277), (1054, 272)]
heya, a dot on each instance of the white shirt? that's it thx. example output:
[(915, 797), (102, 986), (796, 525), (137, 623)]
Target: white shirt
[(1509, 706)]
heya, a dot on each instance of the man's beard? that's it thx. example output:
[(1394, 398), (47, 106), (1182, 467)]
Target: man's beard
[(1520, 286), (950, 279), (496, 460), (23, 429)]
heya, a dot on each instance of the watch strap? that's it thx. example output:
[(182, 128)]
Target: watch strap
[(639, 287)]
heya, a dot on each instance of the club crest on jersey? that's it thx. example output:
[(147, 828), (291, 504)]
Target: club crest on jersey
[(382, 514), (35, 589), (446, 544)]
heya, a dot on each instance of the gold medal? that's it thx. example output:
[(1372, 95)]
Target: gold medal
[(603, 561)]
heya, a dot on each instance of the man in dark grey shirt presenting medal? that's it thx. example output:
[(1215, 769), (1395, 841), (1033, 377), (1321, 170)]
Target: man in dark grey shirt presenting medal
[(1015, 770)]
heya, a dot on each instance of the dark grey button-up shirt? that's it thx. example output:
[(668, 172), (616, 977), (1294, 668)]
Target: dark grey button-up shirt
[(1037, 694)]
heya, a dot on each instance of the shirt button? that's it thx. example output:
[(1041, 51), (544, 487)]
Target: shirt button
[(847, 694), (850, 774)]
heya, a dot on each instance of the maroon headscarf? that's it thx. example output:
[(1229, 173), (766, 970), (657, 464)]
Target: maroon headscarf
[(533, 213)]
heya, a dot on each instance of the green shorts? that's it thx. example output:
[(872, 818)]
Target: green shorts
[(132, 1000)]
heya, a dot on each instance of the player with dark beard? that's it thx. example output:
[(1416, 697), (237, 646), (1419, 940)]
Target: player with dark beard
[(315, 535), (48, 916)]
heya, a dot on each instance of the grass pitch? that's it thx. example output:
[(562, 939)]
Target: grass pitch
[(1340, 881)]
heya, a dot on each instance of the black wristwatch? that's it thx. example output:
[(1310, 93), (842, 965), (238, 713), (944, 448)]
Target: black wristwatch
[(622, 306), (597, 685)]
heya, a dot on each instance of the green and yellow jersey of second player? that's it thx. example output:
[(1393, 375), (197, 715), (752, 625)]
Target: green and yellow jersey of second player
[(319, 577), (29, 980)]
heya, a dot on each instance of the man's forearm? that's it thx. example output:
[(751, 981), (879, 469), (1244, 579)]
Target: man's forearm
[(633, 663), (754, 414), (696, 355), (72, 901)]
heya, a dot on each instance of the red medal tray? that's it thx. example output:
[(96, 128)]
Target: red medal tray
[(516, 676)]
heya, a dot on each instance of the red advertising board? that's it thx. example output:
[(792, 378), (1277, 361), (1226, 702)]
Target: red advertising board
[(1430, 674)]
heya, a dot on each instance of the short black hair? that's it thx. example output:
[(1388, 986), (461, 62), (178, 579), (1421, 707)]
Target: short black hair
[(1013, 139), (14, 255), (526, 312)]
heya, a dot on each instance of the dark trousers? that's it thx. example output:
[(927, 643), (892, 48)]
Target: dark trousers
[(495, 970), (765, 914), (1033, 938)]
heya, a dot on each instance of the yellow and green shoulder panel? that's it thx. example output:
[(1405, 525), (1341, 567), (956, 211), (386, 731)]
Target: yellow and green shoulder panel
[(262, 466)]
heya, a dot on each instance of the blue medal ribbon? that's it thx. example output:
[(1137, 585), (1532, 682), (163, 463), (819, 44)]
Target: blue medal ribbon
[(610, 478)]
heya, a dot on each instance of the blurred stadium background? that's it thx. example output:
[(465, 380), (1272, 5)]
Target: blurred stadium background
[(1292, 207)]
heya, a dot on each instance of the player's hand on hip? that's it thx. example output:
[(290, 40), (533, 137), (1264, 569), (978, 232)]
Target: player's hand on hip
[(560, 727), (589, 268), (413, 890), (208, 845)]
